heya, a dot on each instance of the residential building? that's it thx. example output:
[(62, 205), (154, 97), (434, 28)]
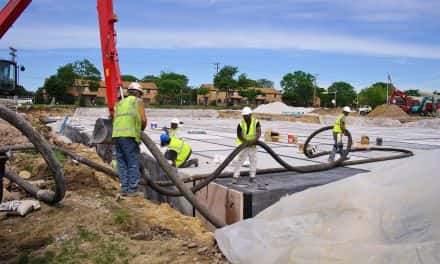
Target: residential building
[(268, 95), (82, 91)]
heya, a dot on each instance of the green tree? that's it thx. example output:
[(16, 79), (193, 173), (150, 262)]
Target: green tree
[(225, 80), (128, 78), (21, 91), (298, 88), (149, 78), (374, 95), (412, 92), (251, 94), (86, 70), (265, 83), (345, 93), (203, 91), (171, 87), (244, 82), (56, 85)]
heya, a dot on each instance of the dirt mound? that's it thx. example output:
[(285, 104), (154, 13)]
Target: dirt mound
[(391, 111), (327, 111), (9, 135)]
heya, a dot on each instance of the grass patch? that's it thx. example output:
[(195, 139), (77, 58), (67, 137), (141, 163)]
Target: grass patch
[(86, 235), (60, 156)]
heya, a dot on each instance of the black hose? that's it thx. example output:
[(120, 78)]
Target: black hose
[(43, 147)]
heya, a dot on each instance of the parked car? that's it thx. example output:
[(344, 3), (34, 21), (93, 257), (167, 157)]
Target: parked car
[(365, 109), (24, 101)]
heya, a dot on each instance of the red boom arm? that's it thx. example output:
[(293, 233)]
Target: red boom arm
[(110, 61), (10, 12)]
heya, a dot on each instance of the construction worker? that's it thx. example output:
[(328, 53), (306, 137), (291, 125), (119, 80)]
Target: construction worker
[(129, 120), (174, 131), (248, 130), (178, 152), (339, 129)]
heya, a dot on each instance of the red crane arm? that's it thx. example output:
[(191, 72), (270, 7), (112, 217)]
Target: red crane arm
[(10, 12), (110, 60)]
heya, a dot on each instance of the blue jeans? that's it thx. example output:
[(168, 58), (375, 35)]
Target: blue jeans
[(127, 156)]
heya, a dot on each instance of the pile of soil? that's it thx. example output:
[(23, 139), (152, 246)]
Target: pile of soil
[(390, 111), (328, 111), (9, 135)]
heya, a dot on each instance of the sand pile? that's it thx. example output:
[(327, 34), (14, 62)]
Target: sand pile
[(279, 108), (328, 111), (391, 111)]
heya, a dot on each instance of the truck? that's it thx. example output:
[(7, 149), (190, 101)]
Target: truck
[(364, 110)]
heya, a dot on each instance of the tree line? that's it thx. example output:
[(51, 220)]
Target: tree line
[(298, 87)]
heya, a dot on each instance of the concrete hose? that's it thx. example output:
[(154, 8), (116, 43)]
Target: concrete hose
[(47, 196)]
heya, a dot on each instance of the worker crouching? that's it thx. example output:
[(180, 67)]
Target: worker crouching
[(248, 130), (339, 129), (128, 122), (178, 152)]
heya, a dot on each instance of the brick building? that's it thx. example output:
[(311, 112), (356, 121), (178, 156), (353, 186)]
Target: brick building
[(81, 89), (268, 95)]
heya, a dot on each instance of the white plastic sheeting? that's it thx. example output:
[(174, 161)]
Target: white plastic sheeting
[(386, 216)]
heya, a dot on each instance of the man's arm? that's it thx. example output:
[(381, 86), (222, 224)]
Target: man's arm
[(258, 131), (143, 116), (239, 134)]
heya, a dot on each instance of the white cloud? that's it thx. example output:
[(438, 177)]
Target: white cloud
[(84, 37)]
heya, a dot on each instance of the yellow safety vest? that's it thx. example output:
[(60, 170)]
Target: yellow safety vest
[(252, 134), (337, 127), (127, 119), (174, 133), (181, 148)]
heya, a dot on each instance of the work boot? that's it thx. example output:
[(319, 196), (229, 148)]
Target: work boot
[(234, 180), (135, 194)]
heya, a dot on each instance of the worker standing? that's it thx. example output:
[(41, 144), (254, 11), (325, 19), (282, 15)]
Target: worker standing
[(128, 123), (174, 131), (248, 130), (178, 152), (339, 128)]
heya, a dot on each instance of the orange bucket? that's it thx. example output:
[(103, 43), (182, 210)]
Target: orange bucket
[(290, 139)]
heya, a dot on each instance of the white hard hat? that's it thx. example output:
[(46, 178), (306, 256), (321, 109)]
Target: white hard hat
[(175, 121), (135, 86), (346, 109), (246, 111)]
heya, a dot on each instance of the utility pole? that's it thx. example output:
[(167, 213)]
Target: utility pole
[(12, 53), (217, 65), (314, 89)]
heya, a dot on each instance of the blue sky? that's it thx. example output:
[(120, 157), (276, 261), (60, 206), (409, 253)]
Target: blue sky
[(339, 40)]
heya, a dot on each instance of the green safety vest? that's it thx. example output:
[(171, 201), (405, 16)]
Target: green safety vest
[(127, 119), (337, 127), (181, 148), (252, 134)]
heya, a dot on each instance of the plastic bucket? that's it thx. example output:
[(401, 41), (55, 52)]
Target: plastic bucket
[(290, 139), (379, 141)]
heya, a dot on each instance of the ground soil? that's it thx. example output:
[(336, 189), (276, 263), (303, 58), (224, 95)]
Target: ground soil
[(390, 111), (91, 225)]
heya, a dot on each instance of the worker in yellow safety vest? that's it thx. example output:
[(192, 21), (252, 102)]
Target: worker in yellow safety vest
[(339, 129), (248, 130), (178, 152), (128, 122), (174, 131)]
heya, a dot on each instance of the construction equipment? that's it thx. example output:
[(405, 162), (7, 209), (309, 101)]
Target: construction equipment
[(427, 106), (8, 68), (402, 100)]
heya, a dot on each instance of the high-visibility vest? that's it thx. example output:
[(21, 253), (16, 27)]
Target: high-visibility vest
[(174, 133), (248, 135), (127, 119), (337, 127), (181, 148)]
